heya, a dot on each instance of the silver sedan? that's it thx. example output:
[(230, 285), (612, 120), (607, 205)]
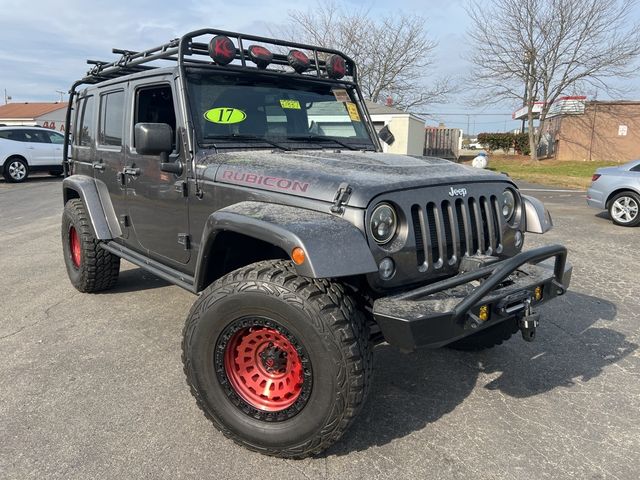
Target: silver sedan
[(617, 189)]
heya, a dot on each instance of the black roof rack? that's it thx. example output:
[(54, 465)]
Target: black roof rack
[(186, 51)]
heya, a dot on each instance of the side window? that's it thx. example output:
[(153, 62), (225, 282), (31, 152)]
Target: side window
[(5, 134), (155, 105), (111, 118), (85, 123), (56, 138), (636, 168), (38, 136)]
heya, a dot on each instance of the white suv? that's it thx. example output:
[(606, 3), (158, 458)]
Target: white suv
[(28, 149)]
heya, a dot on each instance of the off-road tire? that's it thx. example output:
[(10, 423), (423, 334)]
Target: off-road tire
[(324, 320), (634, 198), (487, 338), (15, 160), (96, 269)]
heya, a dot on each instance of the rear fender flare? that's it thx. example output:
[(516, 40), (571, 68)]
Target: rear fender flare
[(333, 246), (95, 196)]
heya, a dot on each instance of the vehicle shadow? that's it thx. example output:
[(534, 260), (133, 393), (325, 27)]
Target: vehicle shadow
[(409, 392), (34, 178), (136, 280)]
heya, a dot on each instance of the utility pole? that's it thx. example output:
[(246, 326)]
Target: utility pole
[(6, 97), (61, 92)]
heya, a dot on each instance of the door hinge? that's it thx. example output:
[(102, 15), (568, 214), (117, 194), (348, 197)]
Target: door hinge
[(182, 187), (341, 198), (185, 240)]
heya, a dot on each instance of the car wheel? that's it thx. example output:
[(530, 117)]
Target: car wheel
[(90, 268), (624, 209), (487, 338), (279, 363), (16, 170)]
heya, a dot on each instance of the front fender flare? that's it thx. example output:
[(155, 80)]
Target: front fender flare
[(333, 246), (537, 217), (95, 197)]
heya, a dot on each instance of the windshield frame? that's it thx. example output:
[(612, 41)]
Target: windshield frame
[(281, 79)]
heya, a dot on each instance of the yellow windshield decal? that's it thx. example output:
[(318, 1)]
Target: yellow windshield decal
[(225, 115), (290, 104), (353, 111)]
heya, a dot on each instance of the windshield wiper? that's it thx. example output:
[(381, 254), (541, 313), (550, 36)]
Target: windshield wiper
[(323, 139), (242, 137)]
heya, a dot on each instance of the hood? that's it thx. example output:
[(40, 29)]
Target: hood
[(319, 174)]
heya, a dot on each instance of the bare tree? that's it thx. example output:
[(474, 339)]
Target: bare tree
[(538, 50), (394, 55)]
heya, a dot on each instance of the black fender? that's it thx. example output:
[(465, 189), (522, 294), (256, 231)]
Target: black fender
[(95, 197), (333, 246)]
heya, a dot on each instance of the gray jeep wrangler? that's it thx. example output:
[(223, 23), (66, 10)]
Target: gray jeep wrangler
[(248, 172)]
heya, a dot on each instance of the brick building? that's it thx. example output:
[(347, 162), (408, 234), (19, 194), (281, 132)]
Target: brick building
[(592, 131)]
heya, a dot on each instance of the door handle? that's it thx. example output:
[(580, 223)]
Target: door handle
[(98, 166), (134, 172)]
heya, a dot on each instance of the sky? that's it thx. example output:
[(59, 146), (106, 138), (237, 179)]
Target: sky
[(44, 43)]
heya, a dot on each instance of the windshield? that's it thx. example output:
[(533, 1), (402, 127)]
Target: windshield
[(287, 113)]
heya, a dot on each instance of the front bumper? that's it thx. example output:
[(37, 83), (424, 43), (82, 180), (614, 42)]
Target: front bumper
[(440, 313)]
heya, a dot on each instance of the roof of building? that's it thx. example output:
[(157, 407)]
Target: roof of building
[(29, 109), (379, 109)]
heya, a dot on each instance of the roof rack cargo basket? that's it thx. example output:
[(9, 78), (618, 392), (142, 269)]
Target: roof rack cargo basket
[(197, 49)]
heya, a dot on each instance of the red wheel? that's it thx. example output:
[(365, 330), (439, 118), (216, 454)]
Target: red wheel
[(264, 368), (74, 246)]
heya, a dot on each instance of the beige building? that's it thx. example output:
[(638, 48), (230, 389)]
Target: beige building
[(408, 129), (49, 115), (597, 131)]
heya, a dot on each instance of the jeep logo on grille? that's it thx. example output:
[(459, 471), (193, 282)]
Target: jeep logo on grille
[(458, 192)]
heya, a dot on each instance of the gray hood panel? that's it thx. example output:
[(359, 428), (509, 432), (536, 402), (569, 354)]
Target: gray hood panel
[(318, 174)]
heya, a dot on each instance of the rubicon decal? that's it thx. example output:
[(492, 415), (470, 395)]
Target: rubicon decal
[(265, 180)]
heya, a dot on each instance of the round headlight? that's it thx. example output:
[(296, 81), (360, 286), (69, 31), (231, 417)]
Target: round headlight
[(508, 204), (384, 223)]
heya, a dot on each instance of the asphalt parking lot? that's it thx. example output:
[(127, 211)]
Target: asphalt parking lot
[(91, 386)]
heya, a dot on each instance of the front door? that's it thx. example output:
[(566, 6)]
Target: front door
[(156, 200)]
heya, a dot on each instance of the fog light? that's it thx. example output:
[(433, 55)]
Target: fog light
[(537, 294), (518, 239), (386, 268), (483, 314)]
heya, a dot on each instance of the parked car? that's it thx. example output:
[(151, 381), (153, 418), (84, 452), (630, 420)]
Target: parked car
[(617, 189), (28, 149)]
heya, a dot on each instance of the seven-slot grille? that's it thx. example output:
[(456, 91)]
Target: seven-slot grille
[(448, 230)]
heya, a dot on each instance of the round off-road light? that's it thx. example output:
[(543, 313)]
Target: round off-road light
[(298, 60), (386, 268), (222, 50), (384, 223), (336, 67), (508, 204)]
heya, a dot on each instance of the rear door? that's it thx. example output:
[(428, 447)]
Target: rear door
[(109, 160), (156, 200), (41, 148)]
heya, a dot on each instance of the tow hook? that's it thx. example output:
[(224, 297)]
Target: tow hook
[(529, 322)]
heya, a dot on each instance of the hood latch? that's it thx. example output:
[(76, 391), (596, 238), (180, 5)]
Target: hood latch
[(341, 198)]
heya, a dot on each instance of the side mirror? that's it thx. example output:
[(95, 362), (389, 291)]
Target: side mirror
[(153, 138), (386, 136)]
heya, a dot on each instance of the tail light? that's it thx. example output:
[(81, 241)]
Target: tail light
[(595, 177)]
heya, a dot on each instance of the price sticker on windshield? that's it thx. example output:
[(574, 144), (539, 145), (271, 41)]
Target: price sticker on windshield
[(225, 115), (353, 111), (290, 104)]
